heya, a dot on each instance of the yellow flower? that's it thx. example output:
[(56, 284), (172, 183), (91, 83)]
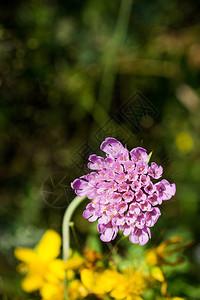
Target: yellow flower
[(50, 291), (129, 285), (76, 290), (40, 263), (98, 282)]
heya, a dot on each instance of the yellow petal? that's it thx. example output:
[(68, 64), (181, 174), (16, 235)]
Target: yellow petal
[(47, 291), (108, 279), (51, 291), (90, 280), (119, 293), (96, 282), (56, 269), (70, 274), (157, 274), (26, 255), (120, 290), (151, 257), (51, 279), (49, 246), (32, 283), (76, 290), (132, 284), (74, 263), (133, 298)]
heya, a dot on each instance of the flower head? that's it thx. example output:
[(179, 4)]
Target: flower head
[(41, 265), (124, 192), (132, 283)]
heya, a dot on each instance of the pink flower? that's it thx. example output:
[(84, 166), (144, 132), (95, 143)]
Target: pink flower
[(123, 195)]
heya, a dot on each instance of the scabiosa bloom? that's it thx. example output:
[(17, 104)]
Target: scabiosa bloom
[(124, 191)]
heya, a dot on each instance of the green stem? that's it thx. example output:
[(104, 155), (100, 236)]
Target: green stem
[(66, 233), (66, 227)]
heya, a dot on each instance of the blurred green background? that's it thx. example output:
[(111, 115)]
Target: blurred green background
[(75, 72)]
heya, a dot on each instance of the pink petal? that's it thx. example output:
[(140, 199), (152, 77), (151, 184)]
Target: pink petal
[(107, 235), (143, 238)]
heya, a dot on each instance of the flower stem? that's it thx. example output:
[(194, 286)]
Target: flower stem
[(66, 233), (66, 226)]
